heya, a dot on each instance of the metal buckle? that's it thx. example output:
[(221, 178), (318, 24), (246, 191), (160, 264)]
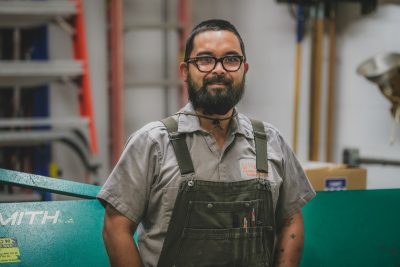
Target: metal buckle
[(175, 136), (261, 135), (190, 179)]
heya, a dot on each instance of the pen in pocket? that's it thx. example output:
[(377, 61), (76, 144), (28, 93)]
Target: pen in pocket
[(253, 218)]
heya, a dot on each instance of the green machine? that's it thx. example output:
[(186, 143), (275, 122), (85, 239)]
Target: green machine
[(353, 228), (345, 228), (52, 233)]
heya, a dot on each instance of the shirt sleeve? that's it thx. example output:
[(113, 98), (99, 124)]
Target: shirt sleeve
[(128, 186), (296, 189)]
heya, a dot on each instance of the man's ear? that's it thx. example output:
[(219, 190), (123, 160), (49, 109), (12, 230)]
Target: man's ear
[(246, 67), (183, 70)]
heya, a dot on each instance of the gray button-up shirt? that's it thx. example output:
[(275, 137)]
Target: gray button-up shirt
[(144, 184)]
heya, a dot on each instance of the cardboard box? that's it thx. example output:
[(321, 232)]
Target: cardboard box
[(337, 177)]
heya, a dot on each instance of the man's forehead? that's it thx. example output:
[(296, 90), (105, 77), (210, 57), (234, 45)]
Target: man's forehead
[(208, 38)]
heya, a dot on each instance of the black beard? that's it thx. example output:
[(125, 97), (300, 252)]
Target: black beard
[(218, 101)]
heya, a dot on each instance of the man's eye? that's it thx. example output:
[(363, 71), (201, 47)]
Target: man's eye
[(205, 60), (232, 60)]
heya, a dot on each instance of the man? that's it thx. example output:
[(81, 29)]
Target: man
[(208, 186)]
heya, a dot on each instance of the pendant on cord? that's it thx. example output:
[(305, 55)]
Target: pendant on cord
[(215, 122)]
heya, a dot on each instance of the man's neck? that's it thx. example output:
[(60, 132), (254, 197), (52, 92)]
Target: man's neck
[(210, 122), (216, 125)]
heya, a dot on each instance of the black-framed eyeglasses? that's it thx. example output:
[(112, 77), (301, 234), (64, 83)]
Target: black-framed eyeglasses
[(230, 63)]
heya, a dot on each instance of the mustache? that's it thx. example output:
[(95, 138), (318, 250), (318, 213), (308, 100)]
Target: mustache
[(217, 79)]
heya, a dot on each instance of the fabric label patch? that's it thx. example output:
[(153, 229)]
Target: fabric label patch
[(335, 184), (248, 169), (9, 250)]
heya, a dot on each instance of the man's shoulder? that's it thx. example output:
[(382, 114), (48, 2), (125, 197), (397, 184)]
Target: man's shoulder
[(153, 130), (245, 122)]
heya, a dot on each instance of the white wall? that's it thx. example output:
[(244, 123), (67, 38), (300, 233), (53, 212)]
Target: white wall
[(144, 62), (362, 113)]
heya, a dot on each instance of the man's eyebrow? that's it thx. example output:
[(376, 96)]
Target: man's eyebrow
[(229, 53), (204, 54), (235, 53)]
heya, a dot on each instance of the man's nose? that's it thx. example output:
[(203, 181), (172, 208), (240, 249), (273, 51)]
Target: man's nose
[(219, 68)]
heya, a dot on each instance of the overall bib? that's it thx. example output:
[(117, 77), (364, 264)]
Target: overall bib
[(217, 224)]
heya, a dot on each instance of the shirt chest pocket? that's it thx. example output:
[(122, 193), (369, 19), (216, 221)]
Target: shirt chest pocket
[(248, 169)]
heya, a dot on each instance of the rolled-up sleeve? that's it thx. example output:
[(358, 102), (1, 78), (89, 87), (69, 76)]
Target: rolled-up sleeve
[(128, 186), (296, 189)]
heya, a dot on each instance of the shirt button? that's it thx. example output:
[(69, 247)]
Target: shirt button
[(209, 205), (247, 204)]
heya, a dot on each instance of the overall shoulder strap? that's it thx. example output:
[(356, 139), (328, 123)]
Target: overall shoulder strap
[(179, 144), (260, 138)]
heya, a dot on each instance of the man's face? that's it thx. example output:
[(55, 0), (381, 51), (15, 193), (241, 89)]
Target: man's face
[(217, 91)]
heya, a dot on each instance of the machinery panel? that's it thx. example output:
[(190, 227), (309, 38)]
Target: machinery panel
[(57, 233), (352, 228)]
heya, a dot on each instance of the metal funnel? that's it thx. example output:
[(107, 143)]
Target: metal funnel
[(384, 70)]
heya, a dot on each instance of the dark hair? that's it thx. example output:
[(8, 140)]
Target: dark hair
[(211, 25)]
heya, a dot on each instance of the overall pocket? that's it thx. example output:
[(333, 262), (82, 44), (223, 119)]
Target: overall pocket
[(236, 247), (224, 234)]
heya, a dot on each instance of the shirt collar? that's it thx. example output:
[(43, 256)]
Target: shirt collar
[(189, 123)]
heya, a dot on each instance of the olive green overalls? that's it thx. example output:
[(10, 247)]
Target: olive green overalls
[(217, 224)]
